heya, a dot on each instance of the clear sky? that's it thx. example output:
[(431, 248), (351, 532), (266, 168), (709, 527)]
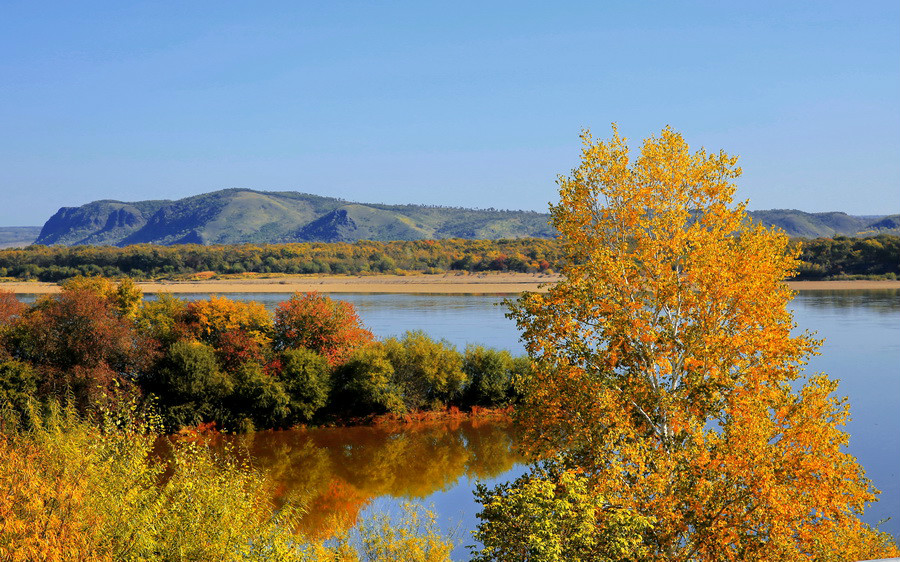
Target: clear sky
[(475, 104)]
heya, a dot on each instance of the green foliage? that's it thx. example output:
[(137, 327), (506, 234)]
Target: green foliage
[(429, 372), (842, 258), (141, 261), (490, 375), (551, 515), (189, 384), (367, 383), (307, 381), (258, 397), (18, 387)]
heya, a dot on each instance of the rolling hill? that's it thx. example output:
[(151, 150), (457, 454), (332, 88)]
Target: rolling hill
[(235, 216)]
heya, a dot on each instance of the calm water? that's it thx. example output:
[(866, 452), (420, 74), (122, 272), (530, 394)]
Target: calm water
[(862, 349)]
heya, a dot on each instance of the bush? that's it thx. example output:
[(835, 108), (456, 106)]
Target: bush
[(428, 372), (367, 383), (73, 491), (190, 385), (490, 374), (328, 327), (259, 398), (18, 387), (307, 381), (550, 514)]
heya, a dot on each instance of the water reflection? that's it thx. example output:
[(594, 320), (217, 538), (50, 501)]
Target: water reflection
[(337, 472), (877, 301)]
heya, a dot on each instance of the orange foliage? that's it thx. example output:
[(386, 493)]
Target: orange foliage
[(43, 518), (666, 367), (329, 327), (209, 319), (80, 342), (10, 307)]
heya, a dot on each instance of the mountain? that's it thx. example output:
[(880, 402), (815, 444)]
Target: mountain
[(234, 216), (18, 236)]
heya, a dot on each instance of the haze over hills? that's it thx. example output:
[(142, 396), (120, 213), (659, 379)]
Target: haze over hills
[(234, 216)]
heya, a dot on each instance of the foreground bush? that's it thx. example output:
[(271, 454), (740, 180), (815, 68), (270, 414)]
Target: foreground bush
[(76, 491)]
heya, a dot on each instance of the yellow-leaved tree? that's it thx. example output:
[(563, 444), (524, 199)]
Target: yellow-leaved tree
[(667, 381)]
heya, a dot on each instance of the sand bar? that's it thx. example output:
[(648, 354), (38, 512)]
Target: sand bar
[(488, 283)]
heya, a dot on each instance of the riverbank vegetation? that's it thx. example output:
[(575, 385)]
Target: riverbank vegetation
[(112, 489), (876, 257), (232, 363)]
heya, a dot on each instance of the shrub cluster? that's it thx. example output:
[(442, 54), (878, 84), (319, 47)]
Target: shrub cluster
[(231, 362), (74, 490)]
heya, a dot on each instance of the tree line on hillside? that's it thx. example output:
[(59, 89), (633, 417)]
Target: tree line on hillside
[(230, 362), (822, 258)]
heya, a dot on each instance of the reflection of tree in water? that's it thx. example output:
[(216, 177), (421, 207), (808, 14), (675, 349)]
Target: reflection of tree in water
[(336, 472)]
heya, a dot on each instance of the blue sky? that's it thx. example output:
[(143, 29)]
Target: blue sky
[(475, 104)]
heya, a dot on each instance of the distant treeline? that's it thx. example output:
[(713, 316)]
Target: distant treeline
[(145, 261), (822, 258), (842, 257), (97, 343)]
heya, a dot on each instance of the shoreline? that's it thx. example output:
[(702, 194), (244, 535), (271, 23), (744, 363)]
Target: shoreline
[(450, 283)]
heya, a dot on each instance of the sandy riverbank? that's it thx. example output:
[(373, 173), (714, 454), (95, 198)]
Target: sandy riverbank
[(488, 283)]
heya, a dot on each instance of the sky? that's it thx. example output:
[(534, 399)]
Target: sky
[(472, 104)]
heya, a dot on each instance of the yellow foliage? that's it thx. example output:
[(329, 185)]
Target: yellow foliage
[(219, 315), (665, 364), (73, 491)]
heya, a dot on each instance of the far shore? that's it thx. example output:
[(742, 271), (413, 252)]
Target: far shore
[(449, 283)]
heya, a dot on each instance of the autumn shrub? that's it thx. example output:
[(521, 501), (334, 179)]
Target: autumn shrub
[(112, 490), (209, 320), (412, 536), (162, 320), (550, 514), (10, 308), (76, 491), (312, 321), (81, 344), (429, 372)]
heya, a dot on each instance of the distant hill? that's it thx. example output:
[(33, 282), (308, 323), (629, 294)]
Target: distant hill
[(815, 225), (235, 216), (18, 236)]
